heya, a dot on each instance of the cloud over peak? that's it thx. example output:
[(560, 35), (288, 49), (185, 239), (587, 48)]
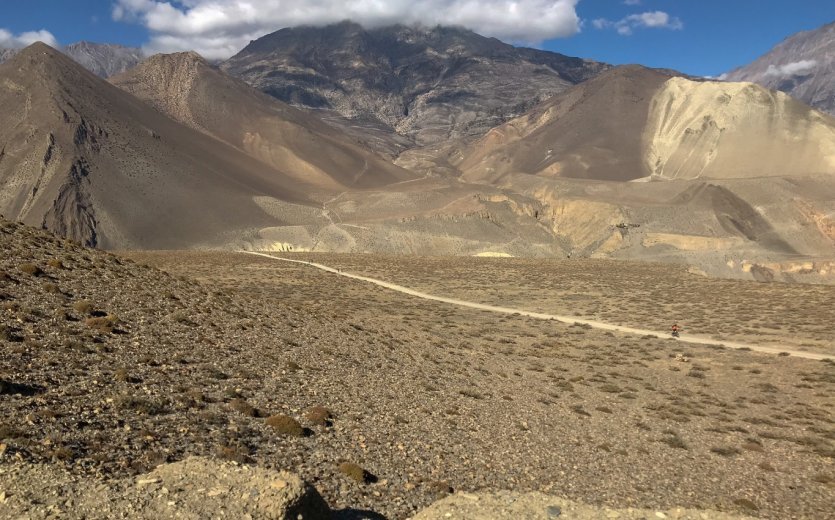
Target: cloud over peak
[(796, 68), (16, 41), (219, 28)]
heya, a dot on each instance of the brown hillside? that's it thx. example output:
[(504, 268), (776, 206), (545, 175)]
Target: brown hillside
[(90, 161), (185, 87), (635, 123)]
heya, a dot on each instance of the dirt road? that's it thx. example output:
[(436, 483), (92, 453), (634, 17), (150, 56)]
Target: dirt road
[(686, 338)]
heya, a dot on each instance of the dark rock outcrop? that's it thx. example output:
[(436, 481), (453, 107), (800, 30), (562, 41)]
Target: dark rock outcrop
[(429, 84)]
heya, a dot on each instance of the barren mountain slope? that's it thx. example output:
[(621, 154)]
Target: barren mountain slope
[(802, 65), (89, 161), (428, 84), (631, 123), (102, 59), (6, 54), (185, 87)]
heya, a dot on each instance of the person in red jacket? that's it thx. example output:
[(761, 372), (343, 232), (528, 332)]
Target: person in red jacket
[(676, 329)]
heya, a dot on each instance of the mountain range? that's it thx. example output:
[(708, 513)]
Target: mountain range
[(427, 84), (102, 59), (94, 163), (631, 162)]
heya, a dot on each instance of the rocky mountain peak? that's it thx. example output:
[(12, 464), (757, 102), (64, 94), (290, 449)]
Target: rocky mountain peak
[(426, 83), (802, 65)]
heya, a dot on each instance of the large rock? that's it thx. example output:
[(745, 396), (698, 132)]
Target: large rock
[(201, 488), (505, 505), (194, 488)]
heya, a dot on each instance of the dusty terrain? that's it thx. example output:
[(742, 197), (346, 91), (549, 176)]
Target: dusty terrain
[(111, 368), (635, 294)]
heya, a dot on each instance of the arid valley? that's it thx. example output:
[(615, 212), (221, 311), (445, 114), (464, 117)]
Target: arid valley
[(195, 351), (430, 260)]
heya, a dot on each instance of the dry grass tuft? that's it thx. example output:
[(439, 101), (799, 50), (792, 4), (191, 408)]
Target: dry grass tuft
[(30, 269), (286, 425)]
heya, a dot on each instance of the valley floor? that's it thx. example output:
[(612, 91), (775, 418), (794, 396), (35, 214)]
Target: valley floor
[(425, 396)]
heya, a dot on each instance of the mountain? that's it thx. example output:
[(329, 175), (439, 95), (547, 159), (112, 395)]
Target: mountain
[(102, 59), (6, 54), (802, 65), (635, 123), (186, 88), (429, 84), (83, 158)]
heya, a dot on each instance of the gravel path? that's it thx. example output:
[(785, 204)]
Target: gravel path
[(686, 338)]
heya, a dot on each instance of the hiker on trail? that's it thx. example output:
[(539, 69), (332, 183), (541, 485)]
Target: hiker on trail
[(676, 330)]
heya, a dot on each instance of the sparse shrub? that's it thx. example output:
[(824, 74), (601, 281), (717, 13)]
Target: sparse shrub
[(55, 263), (610, 388), (674, 441), (83, 307), (292, 366), (823, 478), (237, 453), (242, 407), (10, 334), (698, 374), (744, 503), (471, 394), (121, 375), (320, 416), (726, 451), (765, 466), (61, 453), (439, 488), (604, 409), (51, 288), (31, 269), (356, 473), (139, 405), (105, 325), (286, 425), (579, 410)]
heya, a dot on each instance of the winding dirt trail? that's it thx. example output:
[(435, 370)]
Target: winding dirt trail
[(685, 338)]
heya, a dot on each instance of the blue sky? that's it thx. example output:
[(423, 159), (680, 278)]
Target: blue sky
[(700, 37)]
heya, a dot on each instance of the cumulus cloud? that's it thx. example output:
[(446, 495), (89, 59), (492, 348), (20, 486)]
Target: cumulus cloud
[(9, 40), (796, 68), (219, 28), (649, 20)]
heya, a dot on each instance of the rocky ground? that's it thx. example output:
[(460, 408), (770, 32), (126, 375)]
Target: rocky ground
[(383, 403), (637, 294)]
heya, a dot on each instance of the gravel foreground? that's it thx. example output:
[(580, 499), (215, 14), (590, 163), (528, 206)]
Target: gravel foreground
[(202, 488), (385, 405)]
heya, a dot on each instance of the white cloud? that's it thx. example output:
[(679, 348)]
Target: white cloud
[(16, 41), (219, 28), (797, 68), (651, 20)]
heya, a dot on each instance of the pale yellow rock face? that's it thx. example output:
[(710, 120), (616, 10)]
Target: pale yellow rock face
[(691, 242), (734, 130)]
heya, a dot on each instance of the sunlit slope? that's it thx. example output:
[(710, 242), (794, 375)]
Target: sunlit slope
[(187, 88), (734, 130), (89, 161), (635, 123)]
